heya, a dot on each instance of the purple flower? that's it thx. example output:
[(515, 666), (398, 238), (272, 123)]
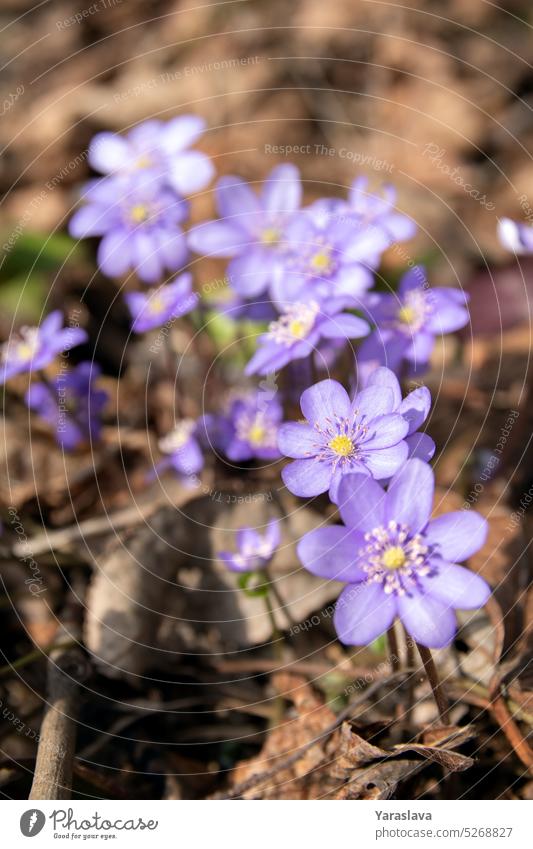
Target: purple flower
[(342, 436), (414, 408), (71, 405), (140, 228), (156, 150), (251, 228), (378, 211), (326, 254), (514, 236), (182, 449), (396, 561), (255, 551), (297, 332), (164, 304), (33, 348), (252, 431), (408, 322)]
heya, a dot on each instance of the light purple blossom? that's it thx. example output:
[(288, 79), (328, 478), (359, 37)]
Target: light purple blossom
[(254, 550), (164, 304), (251, 227), (182, 449), (71, 405), (252, 427), (341, 437), (409, 321), (379, 211), (299, 329), (515, 236), (326, 255), (156, 151), (33, 348), (396, 561), (139, 225)]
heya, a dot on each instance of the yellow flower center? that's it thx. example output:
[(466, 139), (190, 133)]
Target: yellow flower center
[(256, 434), (341, 445), (394, 557), (143, 162), (269, 236), (156, 305), (407, 315), (139, 213), (321, 261), (25, 351), (298, 328)]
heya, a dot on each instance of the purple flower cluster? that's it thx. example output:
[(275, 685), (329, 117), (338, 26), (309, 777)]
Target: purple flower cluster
[(341, 436), (138, 209), (167, 303), (182, 450), (71, 405), (33, 348), (408, 322), (248, 427), (254, 550), (396, 561)]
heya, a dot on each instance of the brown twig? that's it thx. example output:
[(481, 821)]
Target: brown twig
[(433, 677), (55, 755)]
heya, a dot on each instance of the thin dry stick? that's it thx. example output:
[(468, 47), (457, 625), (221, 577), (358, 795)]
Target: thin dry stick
[(55, 755), (433, 678), (394, 655)]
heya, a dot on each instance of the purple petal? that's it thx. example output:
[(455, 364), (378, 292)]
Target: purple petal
[(384, 377), (307, 478), (374, 401), (273, 533), (385, 431), (361, 502), (190, 172), (113, 253), (458, 535), (362, 613), (189, 459), (325, 402), (410, 495), (216, 238), (415, 278), (181, 132), (108, 152), (421, 446), (385, 462), (415, 407), (251, 272), (51, 325), (429, 621), (514, 236), (332, 553), (236, 199), (447, 315), (146, 259), (421, 345), (343, 326), (232, 561), (456, 586), (91, 220), (298, 440), (282, 190)]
